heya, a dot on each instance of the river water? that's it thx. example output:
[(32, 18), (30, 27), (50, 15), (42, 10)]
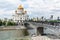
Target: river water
[(10, 34)]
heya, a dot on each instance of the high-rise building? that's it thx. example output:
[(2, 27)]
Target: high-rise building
[(58, 18), (51, 18), (20, 15)]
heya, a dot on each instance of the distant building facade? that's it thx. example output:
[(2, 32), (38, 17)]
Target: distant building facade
[(58, 18), (51, 18), (20, 15)]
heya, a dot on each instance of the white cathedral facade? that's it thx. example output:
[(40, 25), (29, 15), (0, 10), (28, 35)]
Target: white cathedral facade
[(20, 15)]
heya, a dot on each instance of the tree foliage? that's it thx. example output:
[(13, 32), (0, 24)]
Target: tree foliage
[(0, 22), (4, 23), (9, 23), (53, 21)]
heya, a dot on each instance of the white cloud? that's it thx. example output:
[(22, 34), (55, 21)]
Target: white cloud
[(34, 7)]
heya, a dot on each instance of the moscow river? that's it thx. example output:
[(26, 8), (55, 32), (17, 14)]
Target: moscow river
[(10, 34)]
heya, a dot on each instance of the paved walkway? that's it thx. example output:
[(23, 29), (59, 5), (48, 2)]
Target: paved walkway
[(40, 38)]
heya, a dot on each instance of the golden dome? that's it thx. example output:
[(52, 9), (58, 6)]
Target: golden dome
[(20, 7), (25, 11)]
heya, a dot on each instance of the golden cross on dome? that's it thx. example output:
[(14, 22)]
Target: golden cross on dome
[(20, 7)]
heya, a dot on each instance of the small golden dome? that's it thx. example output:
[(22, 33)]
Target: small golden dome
[(20, 7), (15, 11), (25, 11)]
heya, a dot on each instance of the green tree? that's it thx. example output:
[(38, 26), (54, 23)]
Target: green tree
[(9, 23), (0, 22), (4, 23), (53, 21)]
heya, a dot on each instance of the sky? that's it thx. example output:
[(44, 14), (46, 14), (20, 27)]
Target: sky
[(35, 8)]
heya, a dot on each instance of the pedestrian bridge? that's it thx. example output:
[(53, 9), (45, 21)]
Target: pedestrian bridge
[(48, 29)]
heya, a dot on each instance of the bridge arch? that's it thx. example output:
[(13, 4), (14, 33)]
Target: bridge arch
[(40, 30)]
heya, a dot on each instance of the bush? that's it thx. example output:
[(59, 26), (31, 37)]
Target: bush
[(25, 32), (0, 22)]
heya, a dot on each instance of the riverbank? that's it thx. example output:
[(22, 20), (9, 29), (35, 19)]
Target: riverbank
[(11, 27)]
